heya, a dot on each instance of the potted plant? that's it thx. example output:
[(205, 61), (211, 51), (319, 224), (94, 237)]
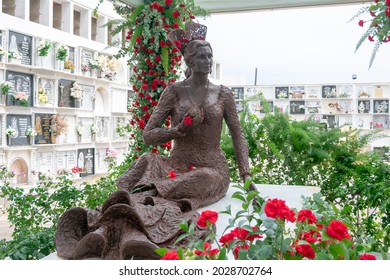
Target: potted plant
[(62, 52), (11, 133), (84, 69), (20, 98), (95, 67), (14, 57), (80, 132), (93, 131), (76, 171), (5, 86), (42, 95), (58, 125), (69, 66), (2, 52), (43, 47), (31, 133), (77, 91)]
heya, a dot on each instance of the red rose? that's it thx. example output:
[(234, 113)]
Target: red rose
[(226, 238), (308, 215), (145, 87), (337, 230), (305, 250), (175, 25), (242, 234), (208, 251), (277, 209), (178, 44), (148, 97), (187, 120), (172, 255), (361, 23), (168, 2), (367, 257), (387, 12), (145, 108), (141, 124), (158, 59), (154, 103), (153, 87), (207, 217), (171, 174), (387, 3), (176, 14)]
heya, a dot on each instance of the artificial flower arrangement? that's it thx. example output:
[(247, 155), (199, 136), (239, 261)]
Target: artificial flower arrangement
[(10, 132), (69, 65), (76, 170), (42, 95), (84, 68), (5, 86), (79, 130), (31, 132), (14, 55), (62, 52), (94, 64), (43, 47), (111, 155), (58, 125), (2, 52), (76, 91), (377, 18), (270, 230), (21, 97), (93, 129)]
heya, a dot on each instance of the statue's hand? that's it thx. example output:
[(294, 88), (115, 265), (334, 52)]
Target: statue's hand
[(193, 117)]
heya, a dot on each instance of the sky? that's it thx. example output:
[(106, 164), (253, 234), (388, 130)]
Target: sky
[(295, 46)]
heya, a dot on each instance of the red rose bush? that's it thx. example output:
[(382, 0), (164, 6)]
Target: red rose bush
[(270, 230)]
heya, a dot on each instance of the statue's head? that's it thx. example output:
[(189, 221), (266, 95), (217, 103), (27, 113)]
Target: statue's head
[(191, 50)]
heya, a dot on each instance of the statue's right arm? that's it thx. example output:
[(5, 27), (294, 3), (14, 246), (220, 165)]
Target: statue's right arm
[(154, 134)]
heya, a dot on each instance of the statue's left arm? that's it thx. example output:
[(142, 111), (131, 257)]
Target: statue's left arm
[(239, 142)]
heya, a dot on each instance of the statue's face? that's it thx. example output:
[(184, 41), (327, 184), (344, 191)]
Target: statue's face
[(203, 60)]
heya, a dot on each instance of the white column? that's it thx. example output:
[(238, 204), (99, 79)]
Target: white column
[(22, 9), (67, 17), (85, 24), (46, 13), (101, 32)]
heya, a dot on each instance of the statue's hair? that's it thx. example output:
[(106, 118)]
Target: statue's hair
[(190, 52)]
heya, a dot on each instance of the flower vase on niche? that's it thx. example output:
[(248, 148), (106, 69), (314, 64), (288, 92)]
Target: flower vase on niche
[(94, 73), (61, 65), (53, 138), (9, 140), (60, 139), (30, 140)]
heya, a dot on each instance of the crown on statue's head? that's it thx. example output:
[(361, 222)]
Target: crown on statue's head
[(193, 31)]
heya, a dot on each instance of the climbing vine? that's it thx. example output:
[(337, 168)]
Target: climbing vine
[(154, 61)]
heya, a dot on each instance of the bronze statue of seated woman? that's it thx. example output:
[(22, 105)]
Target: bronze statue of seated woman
[(144, 213)]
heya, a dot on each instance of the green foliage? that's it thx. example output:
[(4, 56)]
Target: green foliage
[(33, 214)]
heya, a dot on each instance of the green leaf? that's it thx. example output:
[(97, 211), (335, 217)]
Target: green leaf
[(247, 184), (180, 253), (238, 195), (222, 254), (183, 226), (180, 238), (136, 34), (165, 59), (161, 251), (136, 12)]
